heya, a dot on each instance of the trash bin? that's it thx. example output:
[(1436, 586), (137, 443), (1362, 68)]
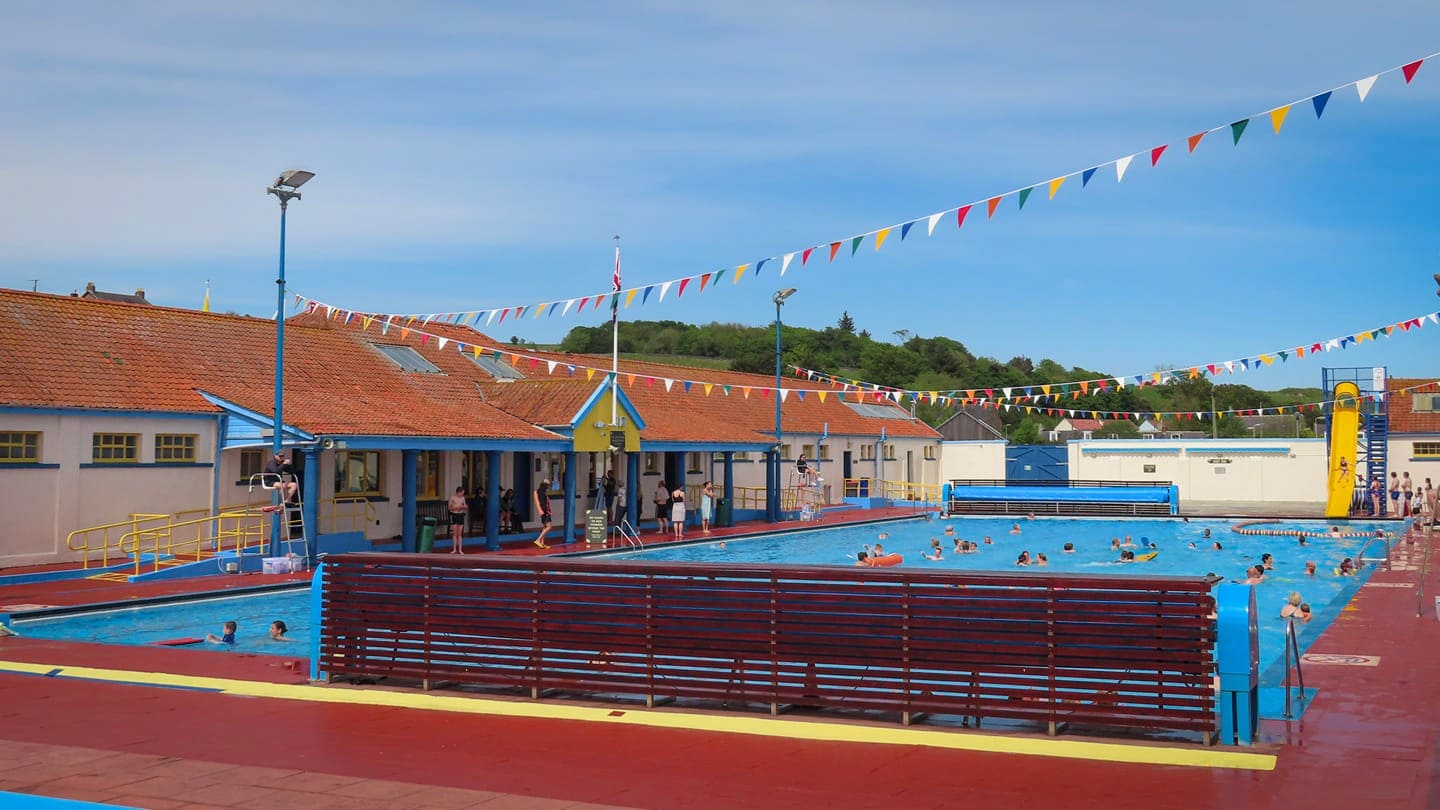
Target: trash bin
[(722, 513), (425, 543)]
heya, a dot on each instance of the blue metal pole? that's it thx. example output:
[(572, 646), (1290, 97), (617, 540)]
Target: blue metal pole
[(277, 440), (774, 493)]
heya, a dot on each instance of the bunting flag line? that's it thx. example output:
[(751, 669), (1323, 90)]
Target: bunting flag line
[(1045, 402), (1213, 369), (1277, 116)]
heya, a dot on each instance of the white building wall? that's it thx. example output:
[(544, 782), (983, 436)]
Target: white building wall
[(974, 460), (67, 492), (1242, 470), (1401, 458)]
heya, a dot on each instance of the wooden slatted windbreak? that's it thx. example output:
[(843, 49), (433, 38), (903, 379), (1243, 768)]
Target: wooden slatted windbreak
[(1053, 649)]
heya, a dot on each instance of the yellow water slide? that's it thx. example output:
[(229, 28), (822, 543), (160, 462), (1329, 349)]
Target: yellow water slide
[(1344, 438)]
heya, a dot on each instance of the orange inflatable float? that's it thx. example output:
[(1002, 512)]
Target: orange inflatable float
[(886, 561)]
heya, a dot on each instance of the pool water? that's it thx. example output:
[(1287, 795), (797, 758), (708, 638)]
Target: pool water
[(1326, 593), (149, 624)]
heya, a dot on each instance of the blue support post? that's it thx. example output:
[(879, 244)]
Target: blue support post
[(492, 500), (310, 502), (408, 459), (1237, 652), (317, 601), (632, 488), (1174, 499), (278, 440), (569, 520), (727, 476)]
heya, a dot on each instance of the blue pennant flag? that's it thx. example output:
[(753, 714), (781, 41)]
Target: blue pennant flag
[(1086, 175), (1320, 101)]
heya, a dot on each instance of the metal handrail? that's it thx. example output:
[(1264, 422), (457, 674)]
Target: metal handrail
[(1385, 538), (106, 544), (1292, 660), (160, 541), (360, 520)]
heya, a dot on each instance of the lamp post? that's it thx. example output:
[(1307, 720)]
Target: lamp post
[(779, 299), (286, 187)]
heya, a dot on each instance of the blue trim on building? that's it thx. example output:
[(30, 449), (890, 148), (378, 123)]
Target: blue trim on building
[(244, 425), (29, 466), (1115, 451), (704, 447), (1245, 450), (145, 465), (556, 445)]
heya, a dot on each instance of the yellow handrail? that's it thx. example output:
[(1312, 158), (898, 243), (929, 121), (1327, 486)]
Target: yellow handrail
[(160, 541), (894, 490), (88, 547), (359, 519)]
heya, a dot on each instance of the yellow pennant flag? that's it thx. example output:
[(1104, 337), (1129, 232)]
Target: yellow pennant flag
[(1277, 117), (821, 394), (1267, 359), (880, 238), (740, 271), (475, 350), (631, 296), (539, 309), (589, 373), (708, 386), (1046, 389), (1055, 186), (366, 321)]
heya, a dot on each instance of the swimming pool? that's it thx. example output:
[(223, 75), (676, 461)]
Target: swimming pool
[(192, 618), (1326, 593)]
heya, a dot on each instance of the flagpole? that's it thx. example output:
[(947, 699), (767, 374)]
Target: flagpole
[(615, 338)]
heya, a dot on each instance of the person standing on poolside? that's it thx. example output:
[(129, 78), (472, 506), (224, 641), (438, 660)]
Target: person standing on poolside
[(622, 508), (1408, 490), (542, 508), (677, 513), (707, 506), (1394, 494), (457, 507), (1376, 493), (662, 507)]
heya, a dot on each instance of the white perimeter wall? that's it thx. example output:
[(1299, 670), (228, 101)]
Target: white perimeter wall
[(981, 459), (43, 503), (1210, 469)]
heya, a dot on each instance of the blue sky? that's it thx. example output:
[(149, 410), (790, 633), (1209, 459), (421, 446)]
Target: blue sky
[(472, 156)]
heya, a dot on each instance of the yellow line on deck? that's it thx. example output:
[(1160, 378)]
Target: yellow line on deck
[(1201, 757)]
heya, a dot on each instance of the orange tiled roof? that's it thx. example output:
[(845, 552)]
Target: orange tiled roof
[(1400, 407), (65, 352), (546, 398)]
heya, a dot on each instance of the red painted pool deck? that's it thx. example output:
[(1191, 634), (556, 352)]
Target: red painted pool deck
[(1368, 740)]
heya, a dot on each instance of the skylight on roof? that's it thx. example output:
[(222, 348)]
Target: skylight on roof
[(878, 411), (406, 358), (493, 367)]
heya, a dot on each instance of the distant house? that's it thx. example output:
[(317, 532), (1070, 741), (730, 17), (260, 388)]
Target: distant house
[(972, 424), (1155, 429), (118, 298), (1070, 428)]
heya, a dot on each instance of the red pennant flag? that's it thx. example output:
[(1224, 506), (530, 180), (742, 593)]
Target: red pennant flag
[(805, 257), (1211, 369), (1156, 153), (834, 248), (1194, 140), (993, 203), (577, 309), (507, 312), (681, 291), (960, 216), (1411, 69)]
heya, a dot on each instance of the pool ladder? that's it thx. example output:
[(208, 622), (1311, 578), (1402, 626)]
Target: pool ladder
[(1292, 661), (629, 534)]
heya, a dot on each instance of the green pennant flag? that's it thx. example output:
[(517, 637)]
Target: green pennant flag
[(1238, 128), (1025, 195), (855, 244)]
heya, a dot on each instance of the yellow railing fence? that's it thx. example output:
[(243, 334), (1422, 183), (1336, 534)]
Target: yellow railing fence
[(350, 513), (105, 540), (155, 547)]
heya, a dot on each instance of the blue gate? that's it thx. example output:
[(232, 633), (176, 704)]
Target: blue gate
[(1037, 462)]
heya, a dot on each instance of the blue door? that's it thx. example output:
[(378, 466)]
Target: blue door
[(1037, 462)]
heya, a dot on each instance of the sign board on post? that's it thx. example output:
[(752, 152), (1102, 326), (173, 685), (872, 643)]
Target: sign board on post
[(595, 525), (1377, 378)]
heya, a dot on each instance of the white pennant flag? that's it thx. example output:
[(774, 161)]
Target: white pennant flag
[(784, 394), (1120, 382), (491, 319), (785, 263), (1230, 366), (550, 366), (1120, 166), (934, 218), (428, 319), (1363, 86), (440, 342), (664, 288), (1333, 343), (1434, 317), (568, 304), (668, 383), (1006, 392)]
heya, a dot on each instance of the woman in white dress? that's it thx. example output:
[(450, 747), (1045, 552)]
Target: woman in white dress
[(707, 507), (677, 513)]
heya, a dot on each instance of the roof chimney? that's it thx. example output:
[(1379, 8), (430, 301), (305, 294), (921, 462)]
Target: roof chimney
[(140, 293), (89, 286)]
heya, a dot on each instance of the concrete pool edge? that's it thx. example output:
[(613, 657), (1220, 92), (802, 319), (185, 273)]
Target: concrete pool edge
[(1132, 753)]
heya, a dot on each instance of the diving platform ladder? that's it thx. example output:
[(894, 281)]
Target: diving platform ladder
[(807, 498), (288, 510)]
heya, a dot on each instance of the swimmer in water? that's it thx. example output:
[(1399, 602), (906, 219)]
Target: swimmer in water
[(1015, 528)]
